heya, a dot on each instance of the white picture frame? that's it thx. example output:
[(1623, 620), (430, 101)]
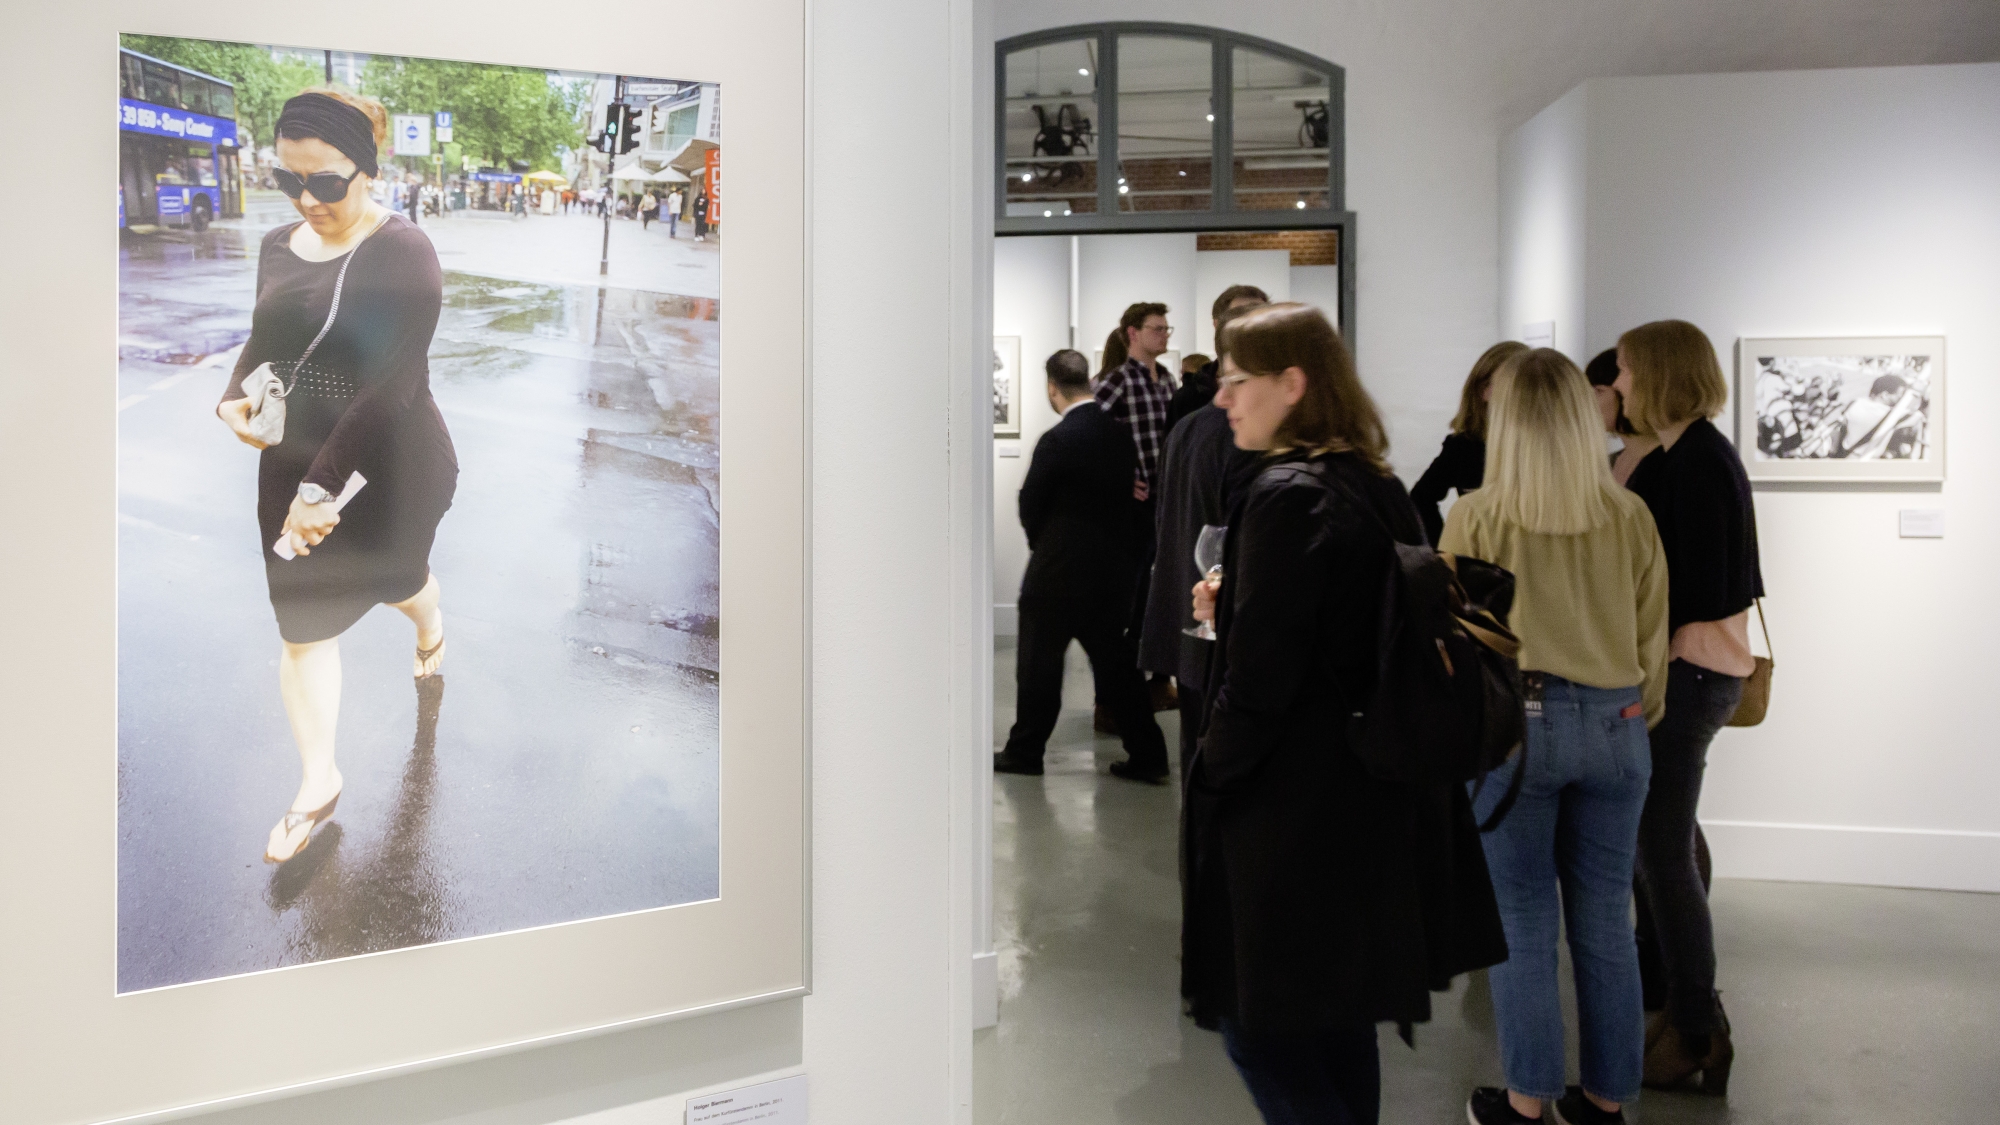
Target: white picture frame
[(1006, 386), (74, 1050), (1858, 409)]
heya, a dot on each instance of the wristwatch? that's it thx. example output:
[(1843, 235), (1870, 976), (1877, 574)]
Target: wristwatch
[(313, 494)]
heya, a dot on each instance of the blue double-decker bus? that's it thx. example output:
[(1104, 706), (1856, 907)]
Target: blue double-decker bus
[(178, 161)]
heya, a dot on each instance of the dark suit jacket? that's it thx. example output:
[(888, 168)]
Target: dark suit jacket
[(1078, 511), (1197, 390), (1200, 456)]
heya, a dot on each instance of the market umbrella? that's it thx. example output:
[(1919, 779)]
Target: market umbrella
[(546, 178)]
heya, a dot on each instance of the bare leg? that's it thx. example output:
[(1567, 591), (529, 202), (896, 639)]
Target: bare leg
[(422, 610), (309, 681)]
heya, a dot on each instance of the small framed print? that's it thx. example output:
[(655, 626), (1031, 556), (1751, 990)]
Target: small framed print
[(1006, 386), (1853, 409)]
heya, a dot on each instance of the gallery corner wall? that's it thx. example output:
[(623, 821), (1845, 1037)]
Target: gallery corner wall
[(1811, 203)]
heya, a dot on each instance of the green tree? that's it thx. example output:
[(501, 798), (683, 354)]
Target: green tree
[(499, 113), (262, 83)]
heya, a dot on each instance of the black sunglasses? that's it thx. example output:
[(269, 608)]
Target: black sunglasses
[(327, 187)]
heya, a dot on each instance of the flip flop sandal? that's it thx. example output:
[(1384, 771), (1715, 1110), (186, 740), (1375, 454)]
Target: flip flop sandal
[(309, 820)]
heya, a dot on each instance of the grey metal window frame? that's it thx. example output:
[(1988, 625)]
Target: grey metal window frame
[(1222, 215)]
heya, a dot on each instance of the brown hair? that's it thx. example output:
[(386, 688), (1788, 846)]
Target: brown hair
[(1228, 317), (1196, 361), (1335, 415), (1233, 294), (1471, 417), (1114, 351), (369, 107), (1135, 315), (1675, 376)]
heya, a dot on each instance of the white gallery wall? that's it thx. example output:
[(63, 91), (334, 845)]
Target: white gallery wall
[(1812, 203)]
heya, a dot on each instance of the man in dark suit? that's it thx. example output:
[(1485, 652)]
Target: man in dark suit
[(1197, 468), (1085, 540)]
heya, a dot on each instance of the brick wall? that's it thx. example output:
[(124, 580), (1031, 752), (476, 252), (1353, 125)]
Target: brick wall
[(1308, 247)]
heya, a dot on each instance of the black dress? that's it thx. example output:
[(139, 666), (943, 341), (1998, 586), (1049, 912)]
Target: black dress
[(1318, 895), (1460, 466), (364, 404)]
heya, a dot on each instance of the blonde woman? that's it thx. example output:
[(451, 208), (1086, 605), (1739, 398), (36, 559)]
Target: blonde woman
[(1590, 607), (1461, 464), (1698, 493), (1320, 899)]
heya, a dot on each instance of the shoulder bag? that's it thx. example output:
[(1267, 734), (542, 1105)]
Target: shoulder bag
[(1757, 685), (267, 392)]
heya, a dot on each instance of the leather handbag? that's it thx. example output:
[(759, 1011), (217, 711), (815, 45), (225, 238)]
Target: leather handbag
[(267, 392), (1757, 685)]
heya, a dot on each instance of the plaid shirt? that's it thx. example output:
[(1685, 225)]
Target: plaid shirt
[(1137, 399)]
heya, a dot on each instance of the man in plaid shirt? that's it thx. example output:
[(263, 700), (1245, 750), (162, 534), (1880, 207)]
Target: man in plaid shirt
[(1136, 392)]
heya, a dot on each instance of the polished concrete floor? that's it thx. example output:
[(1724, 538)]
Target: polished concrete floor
[(1851, 1005)]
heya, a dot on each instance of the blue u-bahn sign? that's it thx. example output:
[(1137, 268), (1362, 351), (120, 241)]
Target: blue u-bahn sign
[(159, 121)]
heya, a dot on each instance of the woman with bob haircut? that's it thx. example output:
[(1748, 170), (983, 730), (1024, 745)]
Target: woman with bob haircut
[(1695, 486), (1461, 464), (354, 290), (1320, 900), (1590, 609)]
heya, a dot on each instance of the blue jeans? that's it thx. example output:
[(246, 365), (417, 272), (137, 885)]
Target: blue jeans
[(1331, 1077), (1576, 826)]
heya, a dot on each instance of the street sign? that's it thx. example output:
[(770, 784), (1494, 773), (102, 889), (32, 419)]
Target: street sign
[(712, 163), (444, 134), (444, 119), (413, 134), (650, 89)]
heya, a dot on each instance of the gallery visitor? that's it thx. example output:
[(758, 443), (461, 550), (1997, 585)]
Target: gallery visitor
[(1623, 442), (1590, 609), (1698, 493), (1320, 899), (1136, 395), (1197, 387), (1461, 464), (358, 411), (1084, 531)]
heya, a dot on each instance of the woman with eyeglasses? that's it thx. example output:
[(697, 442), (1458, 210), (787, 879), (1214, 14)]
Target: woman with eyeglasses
[(357, 289), (1320, 899)]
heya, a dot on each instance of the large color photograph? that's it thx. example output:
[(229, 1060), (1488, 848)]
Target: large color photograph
[(418, 502)]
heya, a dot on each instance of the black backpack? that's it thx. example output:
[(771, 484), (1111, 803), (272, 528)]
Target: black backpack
[(1448, 697)]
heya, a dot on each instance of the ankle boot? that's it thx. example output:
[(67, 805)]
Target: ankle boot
[(1672, 1064)]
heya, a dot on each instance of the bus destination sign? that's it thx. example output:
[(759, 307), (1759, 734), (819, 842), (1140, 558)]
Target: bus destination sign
[(158, 120)]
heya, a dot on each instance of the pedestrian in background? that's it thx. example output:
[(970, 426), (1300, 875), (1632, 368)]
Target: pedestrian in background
[(674, 202), (1700, 497), (1461, 464), (649, 209), (1321, 900), (1590, 609), (701, 216)]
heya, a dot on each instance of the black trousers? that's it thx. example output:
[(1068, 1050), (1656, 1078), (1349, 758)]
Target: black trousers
[(1699, 703), (1331, 1077), (1046, 631)]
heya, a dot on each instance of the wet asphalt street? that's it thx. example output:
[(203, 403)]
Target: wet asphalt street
[(562, 767)]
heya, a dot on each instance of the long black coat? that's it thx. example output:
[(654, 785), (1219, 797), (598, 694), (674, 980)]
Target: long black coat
[(1189, 490), (1077, 508), (1318, 896)]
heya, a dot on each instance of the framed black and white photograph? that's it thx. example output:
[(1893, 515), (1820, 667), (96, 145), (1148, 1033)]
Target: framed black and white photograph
[(1856, 409), (1006, 386)]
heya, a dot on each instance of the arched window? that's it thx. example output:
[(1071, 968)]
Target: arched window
[(1138, 127)]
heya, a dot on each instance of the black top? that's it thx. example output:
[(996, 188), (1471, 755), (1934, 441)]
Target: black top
[(1318, 896), (1460, 465), (1197, 390), (1200, 456), (364, 405), (1700, 499), (1077, 508)]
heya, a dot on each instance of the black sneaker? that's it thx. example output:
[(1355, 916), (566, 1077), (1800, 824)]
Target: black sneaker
[(1004, 762), (1488, 1105), (1575, 1109), (1133, 771)]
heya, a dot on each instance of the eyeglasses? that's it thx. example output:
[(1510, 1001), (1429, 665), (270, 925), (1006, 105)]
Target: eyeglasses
[(327, 187), (1163, 329)]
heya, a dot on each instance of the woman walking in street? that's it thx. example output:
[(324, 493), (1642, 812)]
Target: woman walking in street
[(701, 217), (1700, 498), (357, 290), (1320, 900), (1590, 609), (1461, 464)]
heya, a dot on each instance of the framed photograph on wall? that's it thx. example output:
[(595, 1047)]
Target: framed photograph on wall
[(1855, 409), (360, 429), (1006, 386)]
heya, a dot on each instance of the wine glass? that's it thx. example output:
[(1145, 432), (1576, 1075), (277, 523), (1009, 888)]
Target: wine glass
[(1208, 560)]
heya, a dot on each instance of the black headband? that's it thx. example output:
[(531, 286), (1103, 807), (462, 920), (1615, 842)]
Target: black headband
[(333, 121)]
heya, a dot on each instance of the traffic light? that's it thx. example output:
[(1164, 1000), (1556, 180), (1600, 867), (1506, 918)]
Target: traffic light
[(606, 141), (628, 137)]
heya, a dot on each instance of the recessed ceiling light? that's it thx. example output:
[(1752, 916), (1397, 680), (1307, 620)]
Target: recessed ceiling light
[(1302, 204), (1211, 117), (1083, 70), (1027, 177), (1122, 189), (1183, 173), (1048, 214)]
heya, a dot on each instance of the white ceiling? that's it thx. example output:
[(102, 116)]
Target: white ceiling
[(1516, 56)]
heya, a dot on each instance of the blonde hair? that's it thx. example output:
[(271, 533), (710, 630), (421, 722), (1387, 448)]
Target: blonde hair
[(1675, 376), (370, 108), (1335, 415), (1546, 470), (1471, 417)]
